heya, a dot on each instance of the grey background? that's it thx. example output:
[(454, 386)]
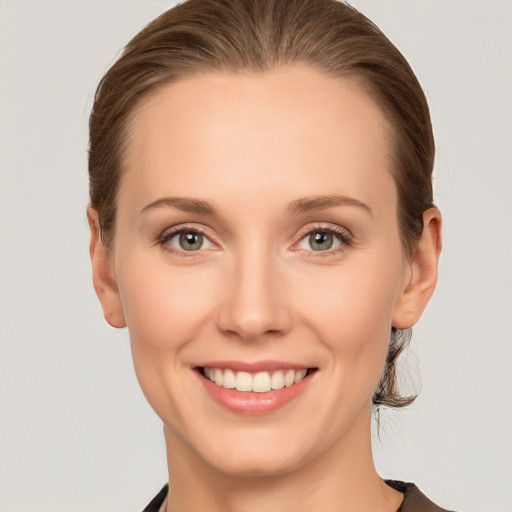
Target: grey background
[(75, 431)]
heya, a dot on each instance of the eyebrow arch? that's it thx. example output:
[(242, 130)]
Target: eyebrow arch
[(301, 205), (186, 204), (307, 204)]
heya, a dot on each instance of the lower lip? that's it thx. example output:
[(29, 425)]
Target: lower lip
[(252, 403)]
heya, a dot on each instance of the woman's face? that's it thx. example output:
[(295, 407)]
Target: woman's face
[(257, 234)]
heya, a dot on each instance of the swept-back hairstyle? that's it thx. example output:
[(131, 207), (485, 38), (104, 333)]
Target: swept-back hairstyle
[(203, 36)]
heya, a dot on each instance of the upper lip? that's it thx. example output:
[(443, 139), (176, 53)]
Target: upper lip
[(253, 366)]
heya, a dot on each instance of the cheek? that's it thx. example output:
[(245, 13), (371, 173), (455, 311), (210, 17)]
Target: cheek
[(164, 307), (350, 309), (165, 310), (350, 301)]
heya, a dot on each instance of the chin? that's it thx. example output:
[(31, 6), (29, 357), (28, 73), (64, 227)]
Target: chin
[(258, 465), (255, 452)]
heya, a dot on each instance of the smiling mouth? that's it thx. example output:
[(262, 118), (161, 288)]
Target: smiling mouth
[(258, 382)]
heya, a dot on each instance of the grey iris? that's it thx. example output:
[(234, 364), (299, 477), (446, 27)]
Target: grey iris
[(321, 241), (191, 241)]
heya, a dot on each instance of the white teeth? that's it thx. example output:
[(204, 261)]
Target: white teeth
[(260, 382), (289, 378), (218, 376), (229, 380), (277, 381), (299, 375), (243, 381)]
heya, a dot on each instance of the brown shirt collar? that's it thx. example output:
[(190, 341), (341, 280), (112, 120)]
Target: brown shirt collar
[(414, 499)]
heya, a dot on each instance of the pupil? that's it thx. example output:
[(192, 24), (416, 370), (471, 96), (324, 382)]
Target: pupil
[(191, 241), (321, 241)]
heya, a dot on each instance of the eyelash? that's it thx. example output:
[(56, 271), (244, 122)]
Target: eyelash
[(345, 238)]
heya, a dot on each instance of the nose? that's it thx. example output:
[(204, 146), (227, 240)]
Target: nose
[(254, 304)]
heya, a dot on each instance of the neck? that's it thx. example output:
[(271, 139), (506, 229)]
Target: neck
[(343, 478)]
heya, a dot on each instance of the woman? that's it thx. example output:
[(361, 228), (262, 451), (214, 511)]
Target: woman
[(262, 221)]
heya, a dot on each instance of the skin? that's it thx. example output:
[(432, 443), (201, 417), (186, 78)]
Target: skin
[(250, 145)]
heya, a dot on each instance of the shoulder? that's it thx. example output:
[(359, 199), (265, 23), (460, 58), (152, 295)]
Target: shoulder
[(414, 499), (157, 502)]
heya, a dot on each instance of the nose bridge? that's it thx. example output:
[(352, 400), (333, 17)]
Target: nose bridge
[(254, 304)]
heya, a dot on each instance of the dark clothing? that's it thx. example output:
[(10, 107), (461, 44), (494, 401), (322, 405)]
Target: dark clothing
[(157, 501), (414, 499)]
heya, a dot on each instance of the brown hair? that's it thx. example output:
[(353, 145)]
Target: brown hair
[(200, 36)]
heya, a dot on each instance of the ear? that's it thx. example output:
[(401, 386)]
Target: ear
[(423, 273), (103, 275)]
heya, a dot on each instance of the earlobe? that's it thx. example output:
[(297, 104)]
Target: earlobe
[(103, 274), (423, 273)]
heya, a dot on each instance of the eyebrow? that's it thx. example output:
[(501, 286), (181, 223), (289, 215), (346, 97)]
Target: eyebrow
[(186, 204), (301, 205), (314, 203)]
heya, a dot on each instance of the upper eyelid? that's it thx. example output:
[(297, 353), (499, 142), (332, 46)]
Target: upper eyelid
[(173, 230), (330, 228)]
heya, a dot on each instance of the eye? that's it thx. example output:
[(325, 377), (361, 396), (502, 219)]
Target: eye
[(319, 241), (187, 240), (327, 240)]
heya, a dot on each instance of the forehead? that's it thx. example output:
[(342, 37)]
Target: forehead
[(292, 125)]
